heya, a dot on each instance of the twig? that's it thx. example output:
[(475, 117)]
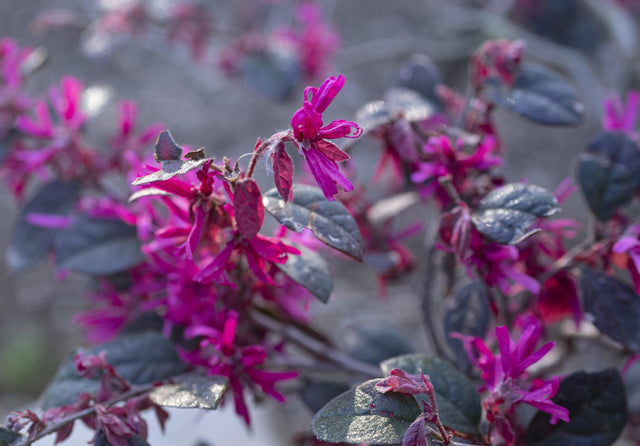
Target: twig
[(316, 347), (53, 427), (565, 261)]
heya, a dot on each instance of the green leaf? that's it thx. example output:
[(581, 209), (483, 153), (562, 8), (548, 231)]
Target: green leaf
[(364, 415), (408, 104), (30, 243), (609, 173), (329, 221), (310, 271), (191, 391), (375, 344), (140, 358), (457, 398), (7, 437), (597, 410), (100, 247), (538, 95), (505, 214)]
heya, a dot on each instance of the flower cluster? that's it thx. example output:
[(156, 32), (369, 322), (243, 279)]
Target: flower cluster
[(505, 378)]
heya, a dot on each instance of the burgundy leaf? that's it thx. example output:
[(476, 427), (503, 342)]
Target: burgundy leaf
[(415, 435), (166, 148), (402, 382), (333, 152), (283, 171), (247, 202)]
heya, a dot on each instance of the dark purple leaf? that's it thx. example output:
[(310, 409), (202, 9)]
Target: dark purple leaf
[(191, 391), (100, 439), (166, 148), (329, 221), (609, 173), (457, 398), (283, 171), (247, 203), (310, 271), (372, 115), (467, 314), (408, 104), (614, 305), (317, 394), (538, 95), (140, 358), (597, 409), (376, 344), (505, 214), (416, 434), (7, 437), (364, 415), (30, 243), (273, 73), (97, 246), (421, 75)]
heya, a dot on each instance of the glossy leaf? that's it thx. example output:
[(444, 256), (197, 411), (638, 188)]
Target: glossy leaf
[(538, 95), (8, 437), (310, 271), (30, 243), (505, 214), (609, 173), (191, 392), (372, 115), (170, 169), (468, 314), (147, 192), (364, 415), (329, 221), (456, 397), (283, 171), (597, 410), (96, 246), (614, 306), (140, 358), (273, 73), (249, 210), (408, 104)]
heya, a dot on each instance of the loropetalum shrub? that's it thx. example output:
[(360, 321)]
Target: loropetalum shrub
[(201, 305)]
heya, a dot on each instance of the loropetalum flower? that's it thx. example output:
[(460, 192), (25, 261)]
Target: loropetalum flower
[(621, 117), (311, 135), (505, 378), (53, 142), (461, 161), (240, 365), (13, 101), (629, 244)]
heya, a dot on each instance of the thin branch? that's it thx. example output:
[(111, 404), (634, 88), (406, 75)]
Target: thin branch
[(54, 427), (316, 347)]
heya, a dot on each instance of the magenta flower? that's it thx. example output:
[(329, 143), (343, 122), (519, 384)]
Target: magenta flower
[(630, 245), (13, 102), (619, 116), (504, 375), (310, 136), (316, 42), (453, 157), (240, 365)]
